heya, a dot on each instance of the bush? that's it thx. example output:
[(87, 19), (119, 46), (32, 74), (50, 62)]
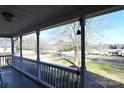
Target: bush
[(68, 47), (17, 47)]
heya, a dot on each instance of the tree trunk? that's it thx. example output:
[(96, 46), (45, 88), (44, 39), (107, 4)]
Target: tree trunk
[(75, 54)]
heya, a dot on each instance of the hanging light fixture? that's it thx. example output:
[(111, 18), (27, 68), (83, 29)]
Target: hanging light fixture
[(7, 16), (78, 32)]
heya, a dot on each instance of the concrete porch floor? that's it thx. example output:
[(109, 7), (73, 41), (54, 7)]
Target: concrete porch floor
[(15, 79)]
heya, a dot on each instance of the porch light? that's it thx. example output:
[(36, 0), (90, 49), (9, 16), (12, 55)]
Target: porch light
[(78, 32)]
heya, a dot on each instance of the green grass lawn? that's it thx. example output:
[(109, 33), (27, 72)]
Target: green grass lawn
[(56, 60), (114, 71)]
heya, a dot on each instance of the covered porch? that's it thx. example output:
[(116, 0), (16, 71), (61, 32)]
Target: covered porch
[(21, 72)]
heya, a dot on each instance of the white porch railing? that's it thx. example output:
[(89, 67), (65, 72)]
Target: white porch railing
[(49, 74), (5, 60)]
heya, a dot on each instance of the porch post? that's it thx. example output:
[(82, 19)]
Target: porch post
[(21, 52), (12, 49), (38, 55), (83, 68)]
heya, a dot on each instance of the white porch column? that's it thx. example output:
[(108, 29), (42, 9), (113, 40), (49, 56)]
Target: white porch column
[(12, 49), (38, 54), (21, 52), (83, 68)]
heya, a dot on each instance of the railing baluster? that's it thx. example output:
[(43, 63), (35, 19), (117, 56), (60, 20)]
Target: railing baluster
[(57, 78), (78, 81), (64, 79), (45, 72), (68, 80), (52, 76), (41, 74), (3, 61), (73, 80), (61, 82), (0, 61), (48, 74)]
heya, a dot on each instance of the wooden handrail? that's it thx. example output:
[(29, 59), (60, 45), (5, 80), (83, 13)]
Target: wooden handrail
[(64, 68), (5, 55)]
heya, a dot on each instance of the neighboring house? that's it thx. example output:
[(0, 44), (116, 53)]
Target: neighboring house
[(108, 52), (5, 46)]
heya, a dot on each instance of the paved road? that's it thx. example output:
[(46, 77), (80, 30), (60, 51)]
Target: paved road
[(98, 58)]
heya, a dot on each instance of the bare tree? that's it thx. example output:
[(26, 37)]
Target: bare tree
[(67, 34), (71, 33), (94, 30)]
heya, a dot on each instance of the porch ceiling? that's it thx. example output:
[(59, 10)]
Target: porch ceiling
[(31, 17)]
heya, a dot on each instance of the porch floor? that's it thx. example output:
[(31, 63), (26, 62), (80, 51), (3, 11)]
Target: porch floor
[(14, 79)]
